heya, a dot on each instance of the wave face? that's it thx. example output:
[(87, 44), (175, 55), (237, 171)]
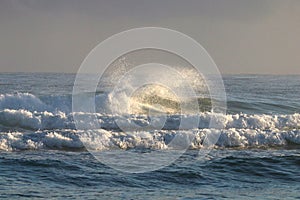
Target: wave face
[(31, 120)]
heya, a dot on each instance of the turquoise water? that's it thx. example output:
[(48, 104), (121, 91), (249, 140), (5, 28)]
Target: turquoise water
[(257, 155)]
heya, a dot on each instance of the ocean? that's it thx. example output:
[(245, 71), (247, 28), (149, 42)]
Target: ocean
[(44, 155)]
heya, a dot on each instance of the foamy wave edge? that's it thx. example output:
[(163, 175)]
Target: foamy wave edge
[(59, 120), (101, 139), (27, 123)]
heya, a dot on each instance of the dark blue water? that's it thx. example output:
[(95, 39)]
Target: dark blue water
[(257, 156), (233, 174)]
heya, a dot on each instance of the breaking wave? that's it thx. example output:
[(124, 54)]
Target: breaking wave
[(31, 122)]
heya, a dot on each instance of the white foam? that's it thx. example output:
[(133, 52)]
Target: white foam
[(60, 120), (58, 140), (24, 101), (20, 118), (18, 141), (28, 123), (33, 120), (101, 139)]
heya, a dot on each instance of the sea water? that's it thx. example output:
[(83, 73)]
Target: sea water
[(42, 153)]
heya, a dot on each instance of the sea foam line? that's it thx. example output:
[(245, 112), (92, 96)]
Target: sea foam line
[(59, 120), (101, 139)]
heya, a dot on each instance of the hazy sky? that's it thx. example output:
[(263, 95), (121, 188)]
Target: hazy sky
[(242, 36)]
